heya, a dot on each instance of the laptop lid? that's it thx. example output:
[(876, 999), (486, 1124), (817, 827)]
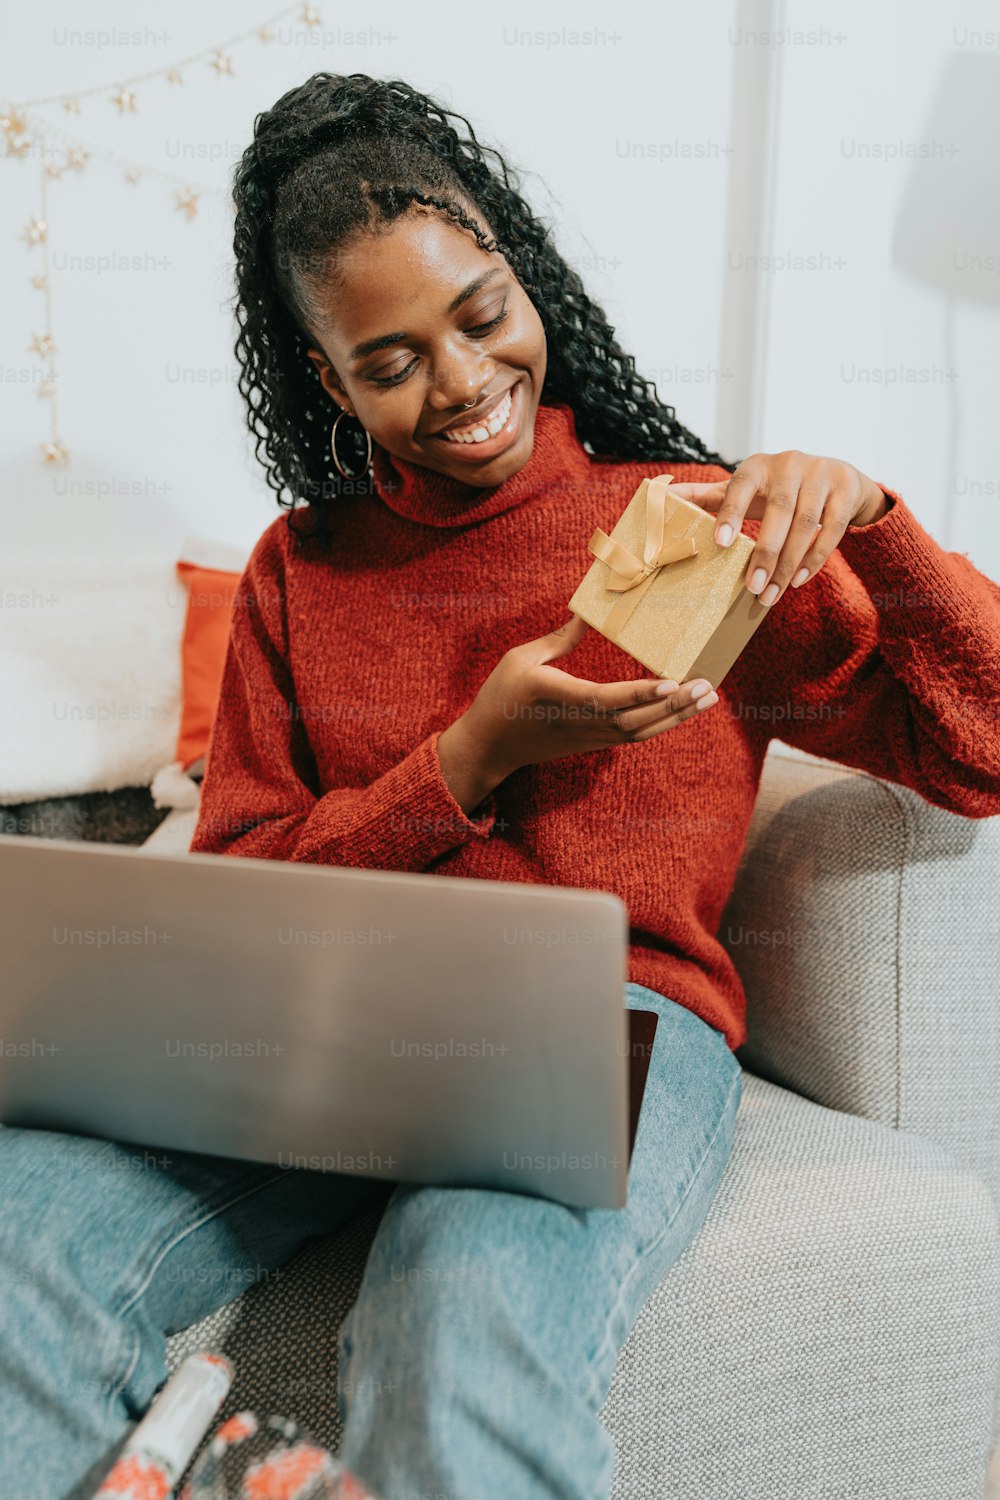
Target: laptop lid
[(410, 1026)]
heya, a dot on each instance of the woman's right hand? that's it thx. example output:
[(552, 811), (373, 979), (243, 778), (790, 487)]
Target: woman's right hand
[(527, 711)]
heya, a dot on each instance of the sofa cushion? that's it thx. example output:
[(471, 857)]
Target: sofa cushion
[(211, 575)]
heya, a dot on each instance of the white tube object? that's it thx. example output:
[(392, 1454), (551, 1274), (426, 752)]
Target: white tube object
[(165, 1441)]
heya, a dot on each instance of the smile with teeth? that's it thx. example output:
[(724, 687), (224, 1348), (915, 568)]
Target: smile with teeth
[(482, 430)]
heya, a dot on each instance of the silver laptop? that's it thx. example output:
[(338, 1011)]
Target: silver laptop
[(415, 1027)]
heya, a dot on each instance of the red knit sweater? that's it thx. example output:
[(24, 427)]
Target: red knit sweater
[(344, 666)]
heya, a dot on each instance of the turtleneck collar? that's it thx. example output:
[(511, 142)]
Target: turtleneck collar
[(424, 495)]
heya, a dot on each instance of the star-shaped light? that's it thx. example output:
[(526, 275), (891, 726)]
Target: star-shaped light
[(53, 170), (187, 202), (132, 175), (35, 232), (310, 16), (77, 158), (173, 75), (40, 282), (47, 388), (42, 344), (18, 148), (223, 65), (124, 99), (265, 34), (11, 123), (54, 452), (71, 106)]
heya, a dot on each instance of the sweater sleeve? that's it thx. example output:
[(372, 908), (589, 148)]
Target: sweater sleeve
[(889, 660), (260, 796)]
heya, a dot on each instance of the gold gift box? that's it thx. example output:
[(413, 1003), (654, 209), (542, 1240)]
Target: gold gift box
[(664, 590)]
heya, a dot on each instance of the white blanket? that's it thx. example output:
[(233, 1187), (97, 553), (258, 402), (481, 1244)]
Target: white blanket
[(90, 674)]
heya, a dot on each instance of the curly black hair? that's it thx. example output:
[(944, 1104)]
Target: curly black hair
[(340, 155)]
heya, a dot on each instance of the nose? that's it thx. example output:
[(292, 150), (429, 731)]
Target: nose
[(459, 377)]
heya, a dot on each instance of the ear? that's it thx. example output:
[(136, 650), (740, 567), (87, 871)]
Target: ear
[(329, 380)]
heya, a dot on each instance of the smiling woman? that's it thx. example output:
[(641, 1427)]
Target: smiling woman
[(393, 698), (387, 263)]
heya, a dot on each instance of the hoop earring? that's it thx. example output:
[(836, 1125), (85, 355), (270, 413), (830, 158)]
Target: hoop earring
[(333, 449)]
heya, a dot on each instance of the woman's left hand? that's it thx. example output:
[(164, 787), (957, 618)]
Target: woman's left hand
[(807, 504)]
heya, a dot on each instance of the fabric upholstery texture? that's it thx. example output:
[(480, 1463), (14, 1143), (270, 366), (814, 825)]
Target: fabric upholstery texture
[(883, 998), (124, 816), (799, 1347), (834, 1330)]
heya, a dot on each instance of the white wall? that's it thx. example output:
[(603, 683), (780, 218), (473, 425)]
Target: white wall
[(631, 144), (886, 131)]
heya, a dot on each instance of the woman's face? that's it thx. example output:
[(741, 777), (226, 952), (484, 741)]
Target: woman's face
[(417, 323)]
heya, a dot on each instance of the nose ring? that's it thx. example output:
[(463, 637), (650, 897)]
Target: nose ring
[(467, 404)]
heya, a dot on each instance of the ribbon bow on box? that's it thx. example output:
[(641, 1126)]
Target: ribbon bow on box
[(700, 614), (631, 576)]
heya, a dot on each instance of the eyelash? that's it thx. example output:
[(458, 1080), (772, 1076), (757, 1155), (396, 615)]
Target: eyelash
[(479, 331)]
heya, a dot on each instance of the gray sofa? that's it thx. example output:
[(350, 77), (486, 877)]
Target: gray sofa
[(834, 1330)]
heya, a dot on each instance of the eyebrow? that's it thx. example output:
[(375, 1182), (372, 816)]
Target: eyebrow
[(386, 340)]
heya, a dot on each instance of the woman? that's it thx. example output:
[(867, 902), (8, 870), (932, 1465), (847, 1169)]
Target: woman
[(391, 699)]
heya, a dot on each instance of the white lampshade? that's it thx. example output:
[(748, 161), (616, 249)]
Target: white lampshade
[(947, 231)]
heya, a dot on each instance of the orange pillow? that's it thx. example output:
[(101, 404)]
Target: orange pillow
[(203, 653)]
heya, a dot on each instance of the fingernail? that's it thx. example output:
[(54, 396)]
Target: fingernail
[(665, 687), (770, 594), (800, 578), (757, 580), (708, 702), (700, 689), (724, 535)]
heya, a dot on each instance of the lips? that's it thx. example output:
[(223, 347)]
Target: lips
[(480, 428)]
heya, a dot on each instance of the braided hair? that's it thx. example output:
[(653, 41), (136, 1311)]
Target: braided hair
[(343, 155)]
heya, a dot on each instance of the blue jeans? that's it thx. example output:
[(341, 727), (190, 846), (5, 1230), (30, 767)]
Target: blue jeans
[(487, 1327)]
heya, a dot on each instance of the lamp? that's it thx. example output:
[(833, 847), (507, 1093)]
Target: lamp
[(947, 232)]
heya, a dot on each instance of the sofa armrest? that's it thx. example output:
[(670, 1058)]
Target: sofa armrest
[(865, 925)]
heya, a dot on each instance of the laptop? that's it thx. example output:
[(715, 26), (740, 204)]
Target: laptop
[(415, 1027)]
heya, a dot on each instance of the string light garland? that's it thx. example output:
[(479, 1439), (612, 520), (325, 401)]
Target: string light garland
[(43, 344), (307, 14), (25, 133)]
